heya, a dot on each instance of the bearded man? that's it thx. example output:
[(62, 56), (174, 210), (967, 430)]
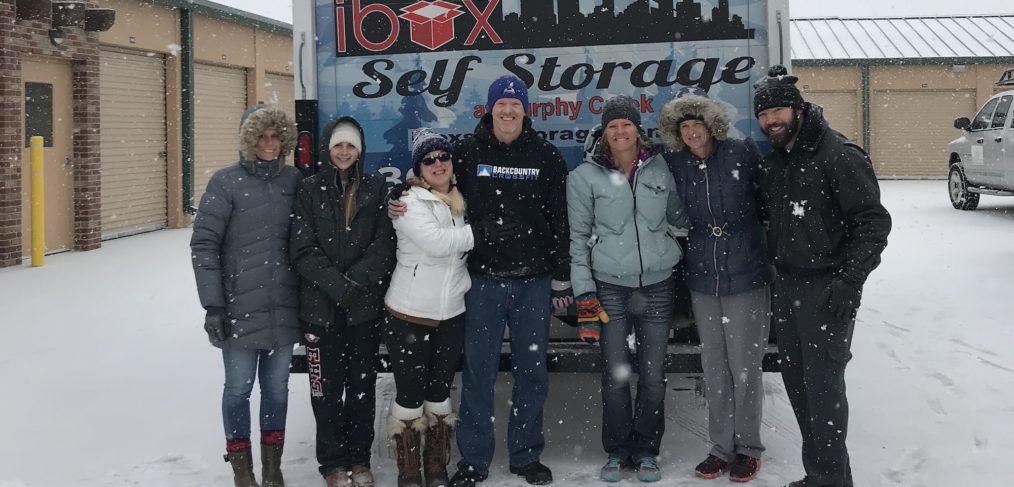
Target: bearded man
[(826, 232)]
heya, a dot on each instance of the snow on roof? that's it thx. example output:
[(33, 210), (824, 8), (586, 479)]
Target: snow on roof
[(833, 38)]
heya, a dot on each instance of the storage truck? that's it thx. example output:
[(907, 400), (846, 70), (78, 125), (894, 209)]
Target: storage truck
[(397, 66)]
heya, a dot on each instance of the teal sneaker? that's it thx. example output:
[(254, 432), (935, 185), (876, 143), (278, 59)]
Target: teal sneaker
[(612, 471), (647, 470)]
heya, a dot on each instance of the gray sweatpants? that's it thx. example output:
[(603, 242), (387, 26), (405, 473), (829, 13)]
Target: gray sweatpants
[(734, 335)]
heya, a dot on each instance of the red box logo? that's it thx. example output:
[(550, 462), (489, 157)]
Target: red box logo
[(432, 23)]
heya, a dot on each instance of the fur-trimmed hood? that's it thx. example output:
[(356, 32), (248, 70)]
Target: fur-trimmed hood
[(704, 108), (255, 121)]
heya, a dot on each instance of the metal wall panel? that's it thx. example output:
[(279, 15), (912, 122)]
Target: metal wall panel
[(910, 130), (219, 103), (133, 142), (842, 109), (281, 92)]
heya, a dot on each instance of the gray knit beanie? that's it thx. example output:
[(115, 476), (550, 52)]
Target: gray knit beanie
[(622, 107)]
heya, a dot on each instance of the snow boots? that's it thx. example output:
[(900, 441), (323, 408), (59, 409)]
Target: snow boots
[(437, 452), (242, 467), (407, 436), (271, 465)]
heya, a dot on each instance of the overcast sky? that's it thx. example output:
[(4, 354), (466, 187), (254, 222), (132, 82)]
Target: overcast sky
[(282, 9)]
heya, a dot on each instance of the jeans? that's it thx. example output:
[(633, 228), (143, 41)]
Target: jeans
[(241, 368), (634, 429), (814, 347), (525, 305)]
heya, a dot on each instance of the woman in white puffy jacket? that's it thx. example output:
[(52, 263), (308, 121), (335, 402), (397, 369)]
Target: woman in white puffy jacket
[(424, 326)]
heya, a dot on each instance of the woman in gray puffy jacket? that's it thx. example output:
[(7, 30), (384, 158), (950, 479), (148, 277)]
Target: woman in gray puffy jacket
[(727, 273), (622, 204), (240, 253)]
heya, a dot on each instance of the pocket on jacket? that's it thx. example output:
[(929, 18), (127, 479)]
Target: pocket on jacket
[(653, 204)]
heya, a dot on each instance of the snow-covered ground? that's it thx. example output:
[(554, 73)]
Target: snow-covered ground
[(107, 378)]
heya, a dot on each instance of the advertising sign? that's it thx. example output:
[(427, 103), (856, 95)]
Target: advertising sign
[(397, 66)]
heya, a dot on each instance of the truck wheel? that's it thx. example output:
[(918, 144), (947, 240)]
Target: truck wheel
[(957, 189)]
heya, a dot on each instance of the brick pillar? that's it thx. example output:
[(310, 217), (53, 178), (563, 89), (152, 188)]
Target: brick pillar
[(10, 140), (87, 160)]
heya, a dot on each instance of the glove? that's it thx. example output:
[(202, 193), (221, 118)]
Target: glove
[(492, 229), (354, 292), (589, 310), (563, 296), (311, 334), (842, 298), (396, 191), (216, 324), (589, 332), (396, 208)]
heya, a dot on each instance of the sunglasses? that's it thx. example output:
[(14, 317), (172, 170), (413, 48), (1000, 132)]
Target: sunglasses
[(429, 161)]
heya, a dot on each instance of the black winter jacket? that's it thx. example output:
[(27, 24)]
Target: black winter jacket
[(524, 182), (824, 205), (726, 252), (342, 268)]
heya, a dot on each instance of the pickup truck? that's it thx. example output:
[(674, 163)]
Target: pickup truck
[(399, 66), (982, 159)]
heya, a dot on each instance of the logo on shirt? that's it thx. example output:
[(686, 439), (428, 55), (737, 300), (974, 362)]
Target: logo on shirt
[(517, 173)]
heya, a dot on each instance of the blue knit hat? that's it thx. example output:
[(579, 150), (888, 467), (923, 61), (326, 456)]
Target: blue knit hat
[(507, 86), (423, 142)]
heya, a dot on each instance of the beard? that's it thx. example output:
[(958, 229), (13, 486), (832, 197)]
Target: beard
[(782, 139)]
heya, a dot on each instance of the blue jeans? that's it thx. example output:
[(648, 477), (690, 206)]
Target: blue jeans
[(241, 368), (634, 430), (525, 305)]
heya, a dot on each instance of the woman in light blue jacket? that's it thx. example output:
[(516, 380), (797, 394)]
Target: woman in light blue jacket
[(623, 211)]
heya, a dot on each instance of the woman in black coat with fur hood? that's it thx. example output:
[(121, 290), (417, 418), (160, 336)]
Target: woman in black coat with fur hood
[(342, 245)]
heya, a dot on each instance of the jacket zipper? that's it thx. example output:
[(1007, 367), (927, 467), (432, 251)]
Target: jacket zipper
[(637, 232), (711, 211)]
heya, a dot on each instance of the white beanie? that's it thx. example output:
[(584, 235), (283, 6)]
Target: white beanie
[(346, 132)]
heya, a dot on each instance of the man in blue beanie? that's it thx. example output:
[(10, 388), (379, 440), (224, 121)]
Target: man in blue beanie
[(511, 176), (514, 184)]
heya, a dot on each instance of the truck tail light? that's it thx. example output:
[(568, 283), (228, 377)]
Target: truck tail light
[(304, 150)]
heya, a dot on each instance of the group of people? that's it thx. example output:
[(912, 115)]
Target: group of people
[(492, 233)]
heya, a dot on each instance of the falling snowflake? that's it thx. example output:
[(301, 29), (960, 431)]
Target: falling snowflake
[(735, 174), (533, 347), (798, 208), (621, 373), (726, 320)]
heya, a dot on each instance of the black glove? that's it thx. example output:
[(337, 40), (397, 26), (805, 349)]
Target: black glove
[(216, 323), (494, 230), (842, 298), (396, 191)]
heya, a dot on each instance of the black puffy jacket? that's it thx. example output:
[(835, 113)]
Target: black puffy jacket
[(824, 205), (342, 267)]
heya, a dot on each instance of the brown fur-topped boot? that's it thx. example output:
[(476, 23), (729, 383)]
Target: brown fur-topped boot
[(239, 455), (407, 436), (437, 451)]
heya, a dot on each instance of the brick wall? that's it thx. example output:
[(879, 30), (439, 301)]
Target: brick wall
[(29, 39)]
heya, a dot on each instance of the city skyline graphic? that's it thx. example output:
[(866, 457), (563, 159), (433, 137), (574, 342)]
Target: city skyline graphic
[(564, 23)]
